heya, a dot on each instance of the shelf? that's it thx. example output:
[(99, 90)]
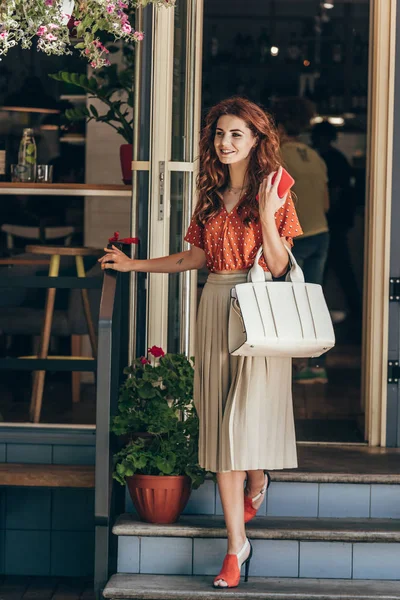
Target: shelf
[(81, 98), (64, 189)]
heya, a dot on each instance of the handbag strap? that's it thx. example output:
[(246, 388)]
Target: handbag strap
[(257, 273)]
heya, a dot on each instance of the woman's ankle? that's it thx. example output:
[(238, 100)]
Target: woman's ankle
[(236, 545), (255, 482)]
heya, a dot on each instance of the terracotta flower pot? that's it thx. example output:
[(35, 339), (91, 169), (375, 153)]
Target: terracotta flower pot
[(159, 498), (125, 153)]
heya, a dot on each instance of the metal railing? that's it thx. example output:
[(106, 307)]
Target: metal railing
[(112, 358)]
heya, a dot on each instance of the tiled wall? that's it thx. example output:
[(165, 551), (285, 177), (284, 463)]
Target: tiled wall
[(271, 558), (294, 499), (47, 531)]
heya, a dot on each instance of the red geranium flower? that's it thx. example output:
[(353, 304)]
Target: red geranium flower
[(129, 240), (115, 237), (156, 351), (144, 361)]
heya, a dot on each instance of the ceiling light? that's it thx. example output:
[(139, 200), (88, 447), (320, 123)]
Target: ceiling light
[(328, 4), (274, 50)]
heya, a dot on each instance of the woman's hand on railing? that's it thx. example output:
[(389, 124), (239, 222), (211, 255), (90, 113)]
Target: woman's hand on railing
[(116, 260)]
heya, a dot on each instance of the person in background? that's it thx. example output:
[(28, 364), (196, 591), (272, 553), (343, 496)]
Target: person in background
[(292, 116), (340, 215)]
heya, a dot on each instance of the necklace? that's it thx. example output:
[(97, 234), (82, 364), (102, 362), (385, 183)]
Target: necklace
[(236, 191)]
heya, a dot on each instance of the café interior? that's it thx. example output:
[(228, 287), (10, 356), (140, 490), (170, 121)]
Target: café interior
[(57, 217)]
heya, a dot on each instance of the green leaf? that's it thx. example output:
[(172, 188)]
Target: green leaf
[(94, 111)]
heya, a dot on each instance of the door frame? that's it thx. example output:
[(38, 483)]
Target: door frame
[(377, 214), (377, 218)]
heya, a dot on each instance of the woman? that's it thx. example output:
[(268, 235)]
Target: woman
[(244, 404)]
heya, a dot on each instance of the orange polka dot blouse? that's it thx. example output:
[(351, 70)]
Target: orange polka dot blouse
[(231, 245)]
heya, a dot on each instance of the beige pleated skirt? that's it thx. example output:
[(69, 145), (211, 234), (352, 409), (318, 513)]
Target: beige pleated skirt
[(244, 404)]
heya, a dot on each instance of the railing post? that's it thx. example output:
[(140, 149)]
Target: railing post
[(112, 357)]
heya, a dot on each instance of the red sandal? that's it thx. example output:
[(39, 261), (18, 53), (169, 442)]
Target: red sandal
[(229, 576), (249, 510)]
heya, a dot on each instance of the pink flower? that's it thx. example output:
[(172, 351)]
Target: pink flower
[(4, 34), (139, 36), (41, 30), (76, 23), (126, 28), (87, 51), (110, 8), (54, 26), (49, 2), (122, 4), (51, 37), (93, 64)]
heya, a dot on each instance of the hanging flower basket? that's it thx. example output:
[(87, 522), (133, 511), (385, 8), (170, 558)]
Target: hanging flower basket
[(49, 21)]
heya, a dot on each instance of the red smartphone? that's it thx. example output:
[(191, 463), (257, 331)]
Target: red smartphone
[(285, 183)]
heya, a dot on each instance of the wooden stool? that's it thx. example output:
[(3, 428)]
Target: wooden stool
[(55, 252)]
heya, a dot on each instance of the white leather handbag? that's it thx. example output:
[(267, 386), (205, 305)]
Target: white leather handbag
[(279, 318)]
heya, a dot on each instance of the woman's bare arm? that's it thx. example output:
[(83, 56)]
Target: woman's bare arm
[(194, 258)]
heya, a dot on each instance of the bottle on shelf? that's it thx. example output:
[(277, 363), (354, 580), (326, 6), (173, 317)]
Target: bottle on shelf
[(337, 52), (3, 160), (238, 47), (214, 45), (27, 156), (358, 49), (263, 46), (293, 51), (248, 48)]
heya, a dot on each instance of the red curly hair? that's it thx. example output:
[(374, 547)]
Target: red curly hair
[(213, 176)]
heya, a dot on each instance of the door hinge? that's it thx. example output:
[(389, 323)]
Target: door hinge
[(393, 371), (394, 289)]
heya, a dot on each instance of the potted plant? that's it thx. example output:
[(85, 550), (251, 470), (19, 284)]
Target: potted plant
[(114, 88), (158, 425)]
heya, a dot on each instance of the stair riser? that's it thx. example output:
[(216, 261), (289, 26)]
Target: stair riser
[(297, 499), (272, 558)]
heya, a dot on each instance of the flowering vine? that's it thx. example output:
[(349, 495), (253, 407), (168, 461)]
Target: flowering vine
[(59, 25)]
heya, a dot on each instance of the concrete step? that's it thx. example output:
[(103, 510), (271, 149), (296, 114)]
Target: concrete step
[(312, 548), (267, 528), (145, 587)]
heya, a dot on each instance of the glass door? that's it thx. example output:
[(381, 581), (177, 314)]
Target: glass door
[(175, 123)]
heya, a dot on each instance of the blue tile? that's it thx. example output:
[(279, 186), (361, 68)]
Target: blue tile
[(292, 500), (218, 504), (376, 561), (385, 501), (28, 508), (344, 500), (261, 511), (275, 558), (29, 453), (202, 500), (72, 553), (3, 496), (27, 553), (330, 560), (2, 550), (73, 510), (208, 555), (2, 453), (129, 507), (128, 554), (74, 455), (166, 556)]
